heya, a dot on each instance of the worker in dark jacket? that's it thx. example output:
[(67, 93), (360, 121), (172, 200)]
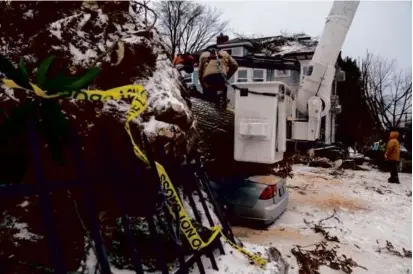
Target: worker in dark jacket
[(392, 155), (215, 68)]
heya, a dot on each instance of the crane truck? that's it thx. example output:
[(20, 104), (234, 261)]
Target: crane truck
[(262, 118)]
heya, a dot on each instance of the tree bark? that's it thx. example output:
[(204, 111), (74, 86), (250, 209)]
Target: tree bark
[(216, 142)]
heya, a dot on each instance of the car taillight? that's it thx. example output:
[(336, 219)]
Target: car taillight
[(268, 192)]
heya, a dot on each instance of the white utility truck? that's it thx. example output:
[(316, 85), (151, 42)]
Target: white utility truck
[(261, 119)]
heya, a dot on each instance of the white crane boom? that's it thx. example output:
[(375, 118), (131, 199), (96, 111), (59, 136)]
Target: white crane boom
[(260, 132), (313, 97)]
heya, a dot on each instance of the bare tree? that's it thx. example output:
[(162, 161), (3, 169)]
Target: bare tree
[(188, 26), (388, 92)]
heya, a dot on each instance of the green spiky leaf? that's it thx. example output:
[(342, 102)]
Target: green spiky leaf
[(44, 67), (84, 80), (23, 69), (58, 83)]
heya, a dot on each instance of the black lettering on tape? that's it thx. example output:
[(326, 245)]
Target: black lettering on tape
[(170, 193), (196, 243), (95, 97), (191, 233), (185, 225), (137, 99), (165, 184), (135, 108), (79, 94)]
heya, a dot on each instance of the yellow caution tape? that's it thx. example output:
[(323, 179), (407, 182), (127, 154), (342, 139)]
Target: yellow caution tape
[(138, 95)]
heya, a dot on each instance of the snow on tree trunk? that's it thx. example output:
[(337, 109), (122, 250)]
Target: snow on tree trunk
[(113, 36)]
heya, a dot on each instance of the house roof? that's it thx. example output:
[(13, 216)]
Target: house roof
[(280, 45)]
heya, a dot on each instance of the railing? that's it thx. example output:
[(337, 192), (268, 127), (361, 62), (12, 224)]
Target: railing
[(192, 180)]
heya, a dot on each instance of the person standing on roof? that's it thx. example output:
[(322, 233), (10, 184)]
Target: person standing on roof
[(215, 68), (392, 155)]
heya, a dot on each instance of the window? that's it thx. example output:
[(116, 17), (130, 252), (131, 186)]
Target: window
[(282, 73), (309, 71), (236, 51), (188, 79), (195, 78), (304, 70), (258, 75), (270, 75), (242, 76)]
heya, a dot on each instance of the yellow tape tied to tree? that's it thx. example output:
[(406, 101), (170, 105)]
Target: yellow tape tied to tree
[(139, 103)]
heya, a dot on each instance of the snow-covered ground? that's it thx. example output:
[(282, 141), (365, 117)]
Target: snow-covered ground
[(369, 212)]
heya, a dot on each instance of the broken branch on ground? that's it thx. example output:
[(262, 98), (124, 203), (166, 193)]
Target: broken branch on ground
[(309, 261), (390, 249)]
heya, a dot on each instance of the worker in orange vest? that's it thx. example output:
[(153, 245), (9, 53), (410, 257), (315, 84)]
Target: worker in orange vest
[(184, 62)]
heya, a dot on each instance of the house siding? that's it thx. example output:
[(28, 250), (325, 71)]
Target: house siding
[(293, 80)]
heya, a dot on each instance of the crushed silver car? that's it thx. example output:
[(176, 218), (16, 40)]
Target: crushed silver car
[(257, 198)]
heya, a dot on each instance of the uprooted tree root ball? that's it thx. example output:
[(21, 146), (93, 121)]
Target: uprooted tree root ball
[(309, 261), (111, 36)]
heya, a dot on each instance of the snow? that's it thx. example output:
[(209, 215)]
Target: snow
[(10, 94), (84, 20), (24, 204), (233, 262), (91, 263), (24, 233), (102, 17), (29, 14), (55, 30), (364, 216), (79, 57)]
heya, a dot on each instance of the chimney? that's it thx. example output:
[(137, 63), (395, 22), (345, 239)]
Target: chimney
[(222, 39)]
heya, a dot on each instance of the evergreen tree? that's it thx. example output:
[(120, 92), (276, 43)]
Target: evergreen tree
[(355, 122)]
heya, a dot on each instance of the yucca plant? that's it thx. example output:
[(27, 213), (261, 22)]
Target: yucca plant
[(47, 112)]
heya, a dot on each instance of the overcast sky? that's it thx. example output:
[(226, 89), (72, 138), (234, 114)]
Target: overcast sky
[(382, 27)]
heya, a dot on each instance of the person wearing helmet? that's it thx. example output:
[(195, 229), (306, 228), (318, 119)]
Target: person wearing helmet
[(215, 68)]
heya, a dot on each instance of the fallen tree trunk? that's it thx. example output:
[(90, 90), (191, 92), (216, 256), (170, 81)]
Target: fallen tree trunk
[(216, 142)]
